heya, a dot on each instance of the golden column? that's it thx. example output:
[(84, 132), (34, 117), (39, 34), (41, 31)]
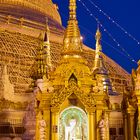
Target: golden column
[(98, 116), (91, 125), (125, 125), (54, 122), (46, 111), (131, 112)]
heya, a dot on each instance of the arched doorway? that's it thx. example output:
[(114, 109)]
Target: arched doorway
[(73, 124)]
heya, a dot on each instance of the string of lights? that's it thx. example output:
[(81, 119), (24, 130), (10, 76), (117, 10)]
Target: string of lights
[(120, 52), (107, 32), (106, 43), (114, 22)]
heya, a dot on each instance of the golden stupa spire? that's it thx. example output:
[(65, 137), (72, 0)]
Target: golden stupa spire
[(99, 67), (72, 9), (40, 70), (72, 37), (46, 46), (43, 60), (98, 58)]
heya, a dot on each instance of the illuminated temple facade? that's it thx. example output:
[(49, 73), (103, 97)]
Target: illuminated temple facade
[(53, 87)]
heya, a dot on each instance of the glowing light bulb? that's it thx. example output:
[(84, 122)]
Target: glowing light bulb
[(81, 38)]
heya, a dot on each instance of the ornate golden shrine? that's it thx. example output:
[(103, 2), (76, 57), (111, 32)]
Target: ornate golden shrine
[(77, 81), (76, 85)]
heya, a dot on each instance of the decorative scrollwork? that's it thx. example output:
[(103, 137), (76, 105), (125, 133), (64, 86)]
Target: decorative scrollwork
[(61, 95)]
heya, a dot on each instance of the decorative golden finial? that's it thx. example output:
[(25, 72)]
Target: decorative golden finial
[(72, 8), (98, 58), (98, 35), (46, 44), (72, 37)]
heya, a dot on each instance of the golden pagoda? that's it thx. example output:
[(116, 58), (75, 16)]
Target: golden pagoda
[(53, 87)]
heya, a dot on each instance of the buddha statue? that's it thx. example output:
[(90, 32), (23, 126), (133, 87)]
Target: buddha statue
[(73, 131)]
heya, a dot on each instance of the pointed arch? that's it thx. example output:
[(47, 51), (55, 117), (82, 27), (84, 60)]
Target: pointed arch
[(60, 96)]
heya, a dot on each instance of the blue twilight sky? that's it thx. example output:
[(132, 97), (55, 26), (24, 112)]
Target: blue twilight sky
[(124, 12)]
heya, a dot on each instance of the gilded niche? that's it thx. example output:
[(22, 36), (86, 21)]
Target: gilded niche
[(60, 95)]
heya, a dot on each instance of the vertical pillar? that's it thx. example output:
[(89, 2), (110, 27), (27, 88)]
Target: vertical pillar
[(43, 125), (91, 125), (125, 126), (107, 129), (138, 121), (47, 119), (131, 128), (138, 124), (131, 112), (98, 117), (54, 129)]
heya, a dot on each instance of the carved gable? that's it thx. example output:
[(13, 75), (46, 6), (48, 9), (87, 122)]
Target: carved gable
[(61, 95)]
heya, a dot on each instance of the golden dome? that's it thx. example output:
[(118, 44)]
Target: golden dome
[(45, 7)]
